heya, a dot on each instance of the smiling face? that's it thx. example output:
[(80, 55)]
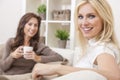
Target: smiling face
[(90, 23), (31, 28)]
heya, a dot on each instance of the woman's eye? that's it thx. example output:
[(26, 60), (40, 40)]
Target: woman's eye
[(91, 16), (80, 17), (36, 25), (30, 24)]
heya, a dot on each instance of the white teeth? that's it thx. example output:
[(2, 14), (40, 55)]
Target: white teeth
[(31, 31), (87, 28)]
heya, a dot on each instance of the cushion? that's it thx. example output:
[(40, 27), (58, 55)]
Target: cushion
[(66, 53), (3, 78), (82, 75), (1, 50), (26, 76)]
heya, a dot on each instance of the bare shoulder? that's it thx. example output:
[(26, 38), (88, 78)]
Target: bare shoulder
[(107, 62)]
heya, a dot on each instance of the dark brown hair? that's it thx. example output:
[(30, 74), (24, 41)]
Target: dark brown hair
[(19, 38)]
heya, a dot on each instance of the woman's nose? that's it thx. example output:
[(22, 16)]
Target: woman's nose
[(33, 27), (84, 22)]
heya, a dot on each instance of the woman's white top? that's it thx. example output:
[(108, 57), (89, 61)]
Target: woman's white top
[(95, 49)]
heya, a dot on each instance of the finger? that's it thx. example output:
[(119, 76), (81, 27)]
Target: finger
[(34, 75), (19, 50), (39, 77), (30, 52)]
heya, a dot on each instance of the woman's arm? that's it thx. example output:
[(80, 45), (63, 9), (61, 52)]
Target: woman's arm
[(7, 59), (106, 67), (8, 56), (48, 55)]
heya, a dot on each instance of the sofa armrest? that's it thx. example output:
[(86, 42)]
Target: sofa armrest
[(66, 53)]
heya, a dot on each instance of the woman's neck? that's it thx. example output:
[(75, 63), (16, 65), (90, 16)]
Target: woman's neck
[(27, 42)]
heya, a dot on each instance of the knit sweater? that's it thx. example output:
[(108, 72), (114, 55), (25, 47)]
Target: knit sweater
[(11, 66)]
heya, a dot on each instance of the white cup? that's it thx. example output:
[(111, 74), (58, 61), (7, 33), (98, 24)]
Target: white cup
[(26, 50)]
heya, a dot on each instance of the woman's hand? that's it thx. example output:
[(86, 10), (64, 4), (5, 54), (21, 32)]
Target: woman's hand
[(32, 55), (44, 70), (17, 53), (36, 57)]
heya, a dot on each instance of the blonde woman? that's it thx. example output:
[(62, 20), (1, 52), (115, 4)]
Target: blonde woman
[(94, 23)]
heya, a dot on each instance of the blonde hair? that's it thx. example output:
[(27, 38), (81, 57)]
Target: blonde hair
[(104, 11)]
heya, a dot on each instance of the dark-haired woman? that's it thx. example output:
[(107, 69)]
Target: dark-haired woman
[(13, 60)]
